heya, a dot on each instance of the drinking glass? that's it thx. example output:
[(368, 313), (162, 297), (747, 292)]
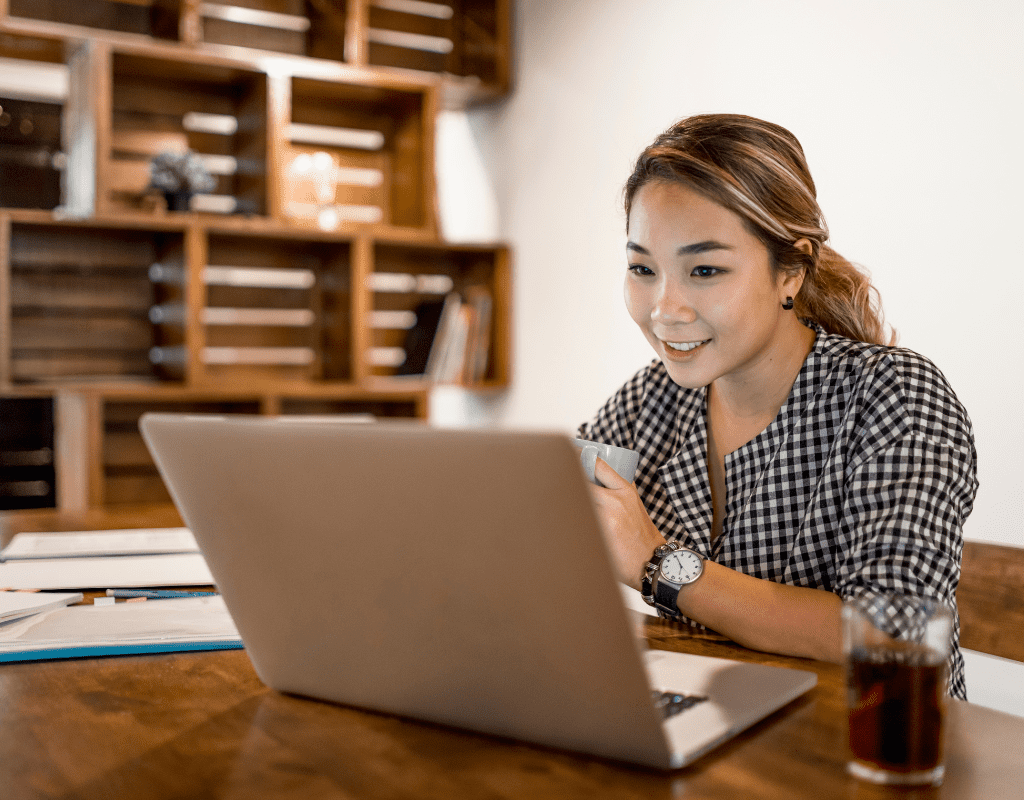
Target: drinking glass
[(897, 649)]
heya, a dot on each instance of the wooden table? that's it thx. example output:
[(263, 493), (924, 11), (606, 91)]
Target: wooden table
[(199, 725)]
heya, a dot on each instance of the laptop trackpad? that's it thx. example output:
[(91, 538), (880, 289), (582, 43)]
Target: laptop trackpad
[(732, 695)]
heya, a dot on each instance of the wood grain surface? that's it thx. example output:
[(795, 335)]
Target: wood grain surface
[(990, 599), (202, 725)]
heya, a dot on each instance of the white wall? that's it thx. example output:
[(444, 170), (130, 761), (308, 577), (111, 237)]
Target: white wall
[(911, 117)]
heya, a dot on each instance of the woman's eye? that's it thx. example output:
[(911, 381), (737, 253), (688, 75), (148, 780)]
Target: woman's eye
[(706, 272), (640, 269)]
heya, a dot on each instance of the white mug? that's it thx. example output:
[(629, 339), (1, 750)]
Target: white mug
[(621, 459)]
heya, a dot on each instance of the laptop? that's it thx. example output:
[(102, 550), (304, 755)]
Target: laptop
[(453, 576)]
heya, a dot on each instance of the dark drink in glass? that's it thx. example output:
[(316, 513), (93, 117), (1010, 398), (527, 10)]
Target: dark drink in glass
[(896, 708)]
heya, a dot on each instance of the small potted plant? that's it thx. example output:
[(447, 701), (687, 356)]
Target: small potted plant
[(179, 175)]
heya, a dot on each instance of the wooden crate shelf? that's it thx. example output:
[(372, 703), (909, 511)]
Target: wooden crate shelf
[(466, 42), (359, 154), (467, 39), (157, 105), (26, 453), (31, 122), (97, 455), (128, 474), (77, 301), (263, 293), (285, 300), (420, 280), (295, 27), (216, 305)]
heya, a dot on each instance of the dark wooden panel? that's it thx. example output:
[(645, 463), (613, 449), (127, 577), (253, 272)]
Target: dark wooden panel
[(26, 453), (326, 36), (27, 47), (69, 292), (258, 336), (385, 55), (125, 17), (52, 248), (221, 31), (135, 488), (991, 600), (125, 449), (36, 365), (81, 333)]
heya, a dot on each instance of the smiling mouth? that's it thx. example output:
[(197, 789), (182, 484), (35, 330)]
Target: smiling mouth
[(684, 347)]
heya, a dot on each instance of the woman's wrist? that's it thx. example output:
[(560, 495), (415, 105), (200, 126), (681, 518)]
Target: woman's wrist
[(651, 543)]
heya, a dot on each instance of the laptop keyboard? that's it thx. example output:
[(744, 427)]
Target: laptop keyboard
[(672, 703)]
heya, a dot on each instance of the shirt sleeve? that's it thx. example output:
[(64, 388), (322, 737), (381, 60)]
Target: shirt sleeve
[(910, 484)]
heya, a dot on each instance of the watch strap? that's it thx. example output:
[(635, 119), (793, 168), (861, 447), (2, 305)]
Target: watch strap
[(665, 596)]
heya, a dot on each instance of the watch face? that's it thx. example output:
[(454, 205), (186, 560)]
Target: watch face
[(681, 566)]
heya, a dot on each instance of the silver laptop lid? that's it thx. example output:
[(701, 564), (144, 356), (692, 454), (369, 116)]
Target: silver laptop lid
[(458, 577)]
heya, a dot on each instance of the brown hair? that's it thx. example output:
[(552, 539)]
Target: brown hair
[(757, 170)]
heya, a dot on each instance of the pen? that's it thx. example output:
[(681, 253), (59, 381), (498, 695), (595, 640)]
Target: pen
[(155, 594)]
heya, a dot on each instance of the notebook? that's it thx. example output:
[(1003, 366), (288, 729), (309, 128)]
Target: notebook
[(453, 576)]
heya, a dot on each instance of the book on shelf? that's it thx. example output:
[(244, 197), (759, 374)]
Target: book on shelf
[(460, 348), (479, 341), (420, 337), (447, 338), (446, 332)]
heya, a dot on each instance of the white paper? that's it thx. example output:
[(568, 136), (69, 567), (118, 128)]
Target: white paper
[(188, 569), (191, 619), (14, 605), (631, 597), (142, 541)]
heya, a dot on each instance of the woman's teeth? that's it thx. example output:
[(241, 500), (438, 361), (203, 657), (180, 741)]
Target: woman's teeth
[(685, 345)]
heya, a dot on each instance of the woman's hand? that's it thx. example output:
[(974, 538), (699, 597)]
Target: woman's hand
[(628, 531), (759, 614)]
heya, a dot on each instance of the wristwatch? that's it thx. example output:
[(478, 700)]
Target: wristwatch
[(671, 567)]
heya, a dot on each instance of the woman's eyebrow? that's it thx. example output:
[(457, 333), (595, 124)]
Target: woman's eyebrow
[(686, 250), (702, 247)]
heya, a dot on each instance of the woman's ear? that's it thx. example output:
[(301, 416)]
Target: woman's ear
[(804, 246), (792, 281)]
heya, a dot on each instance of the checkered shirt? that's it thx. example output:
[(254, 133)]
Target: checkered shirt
[(860, 486)]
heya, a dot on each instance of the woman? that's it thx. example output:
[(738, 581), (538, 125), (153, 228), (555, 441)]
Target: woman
[(782, 438)]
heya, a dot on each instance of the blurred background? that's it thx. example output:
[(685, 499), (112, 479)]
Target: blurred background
[(910, 115)]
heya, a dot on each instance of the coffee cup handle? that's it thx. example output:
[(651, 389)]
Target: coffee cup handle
[(589, 458)]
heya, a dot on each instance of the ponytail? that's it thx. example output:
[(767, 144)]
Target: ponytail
[(841, 299)]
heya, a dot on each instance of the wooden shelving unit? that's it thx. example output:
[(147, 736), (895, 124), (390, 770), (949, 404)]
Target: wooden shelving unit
[(294, 284), (468, 42), (101, 459)]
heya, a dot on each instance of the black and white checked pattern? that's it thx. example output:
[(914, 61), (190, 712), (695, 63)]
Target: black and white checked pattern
[(860, 486)]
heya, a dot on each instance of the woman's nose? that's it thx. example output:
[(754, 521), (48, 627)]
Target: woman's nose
[(672, 306)]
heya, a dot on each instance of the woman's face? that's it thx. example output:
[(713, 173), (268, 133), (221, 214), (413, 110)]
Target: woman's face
[(700, 286)]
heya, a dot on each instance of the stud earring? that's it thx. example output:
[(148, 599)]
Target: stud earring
[(788, 305)]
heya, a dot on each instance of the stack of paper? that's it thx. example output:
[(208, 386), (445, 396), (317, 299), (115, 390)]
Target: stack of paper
[(14, 605), (143, 541), (157, 626), (100, 560)]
